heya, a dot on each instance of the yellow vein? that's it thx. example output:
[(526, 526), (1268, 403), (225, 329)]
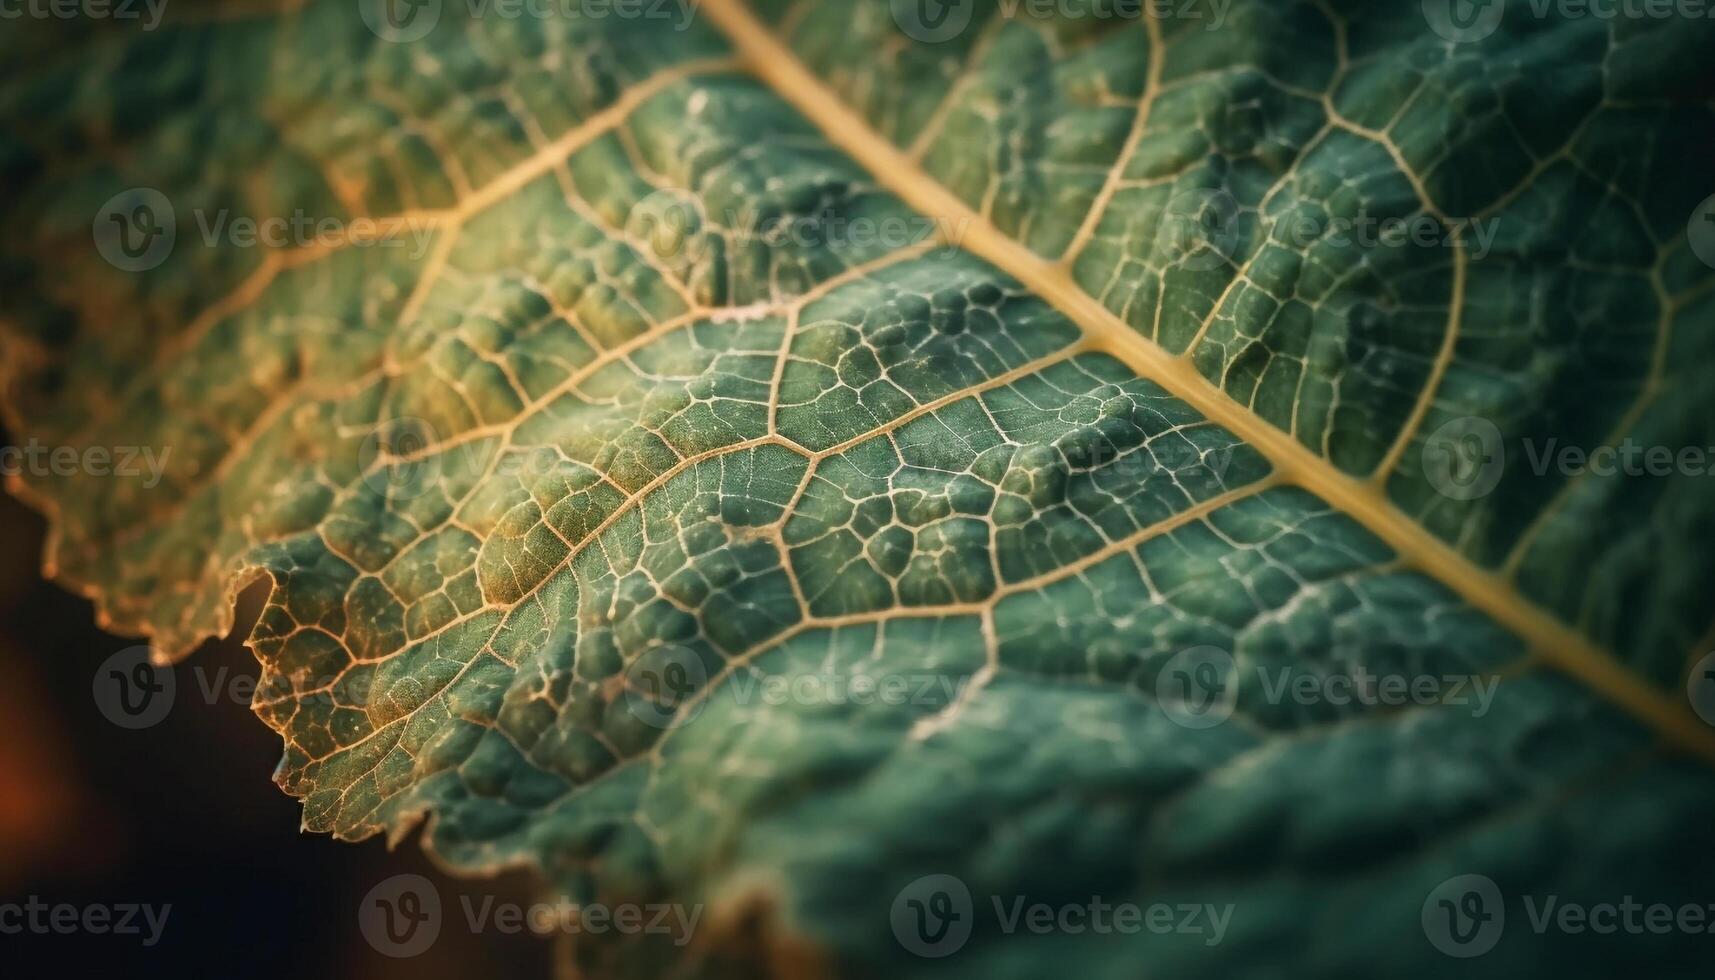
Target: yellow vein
[(1437, 370), (1652, 388), (1139, 125), (1554, 641), (538, 164)]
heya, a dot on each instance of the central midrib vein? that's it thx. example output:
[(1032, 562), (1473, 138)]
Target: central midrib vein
[(1549, 639)]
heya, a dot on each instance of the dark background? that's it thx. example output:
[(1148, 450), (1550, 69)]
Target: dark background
[(184, 812)]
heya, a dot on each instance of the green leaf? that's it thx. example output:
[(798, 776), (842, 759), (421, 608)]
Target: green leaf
[(764, 461)]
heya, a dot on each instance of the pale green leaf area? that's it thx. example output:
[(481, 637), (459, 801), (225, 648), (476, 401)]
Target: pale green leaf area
[(579, 427)]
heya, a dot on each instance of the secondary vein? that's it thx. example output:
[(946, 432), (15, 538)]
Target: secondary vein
[(1553, 642)]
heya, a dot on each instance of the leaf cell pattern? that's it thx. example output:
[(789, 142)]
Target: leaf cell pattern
[(595, 413)]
